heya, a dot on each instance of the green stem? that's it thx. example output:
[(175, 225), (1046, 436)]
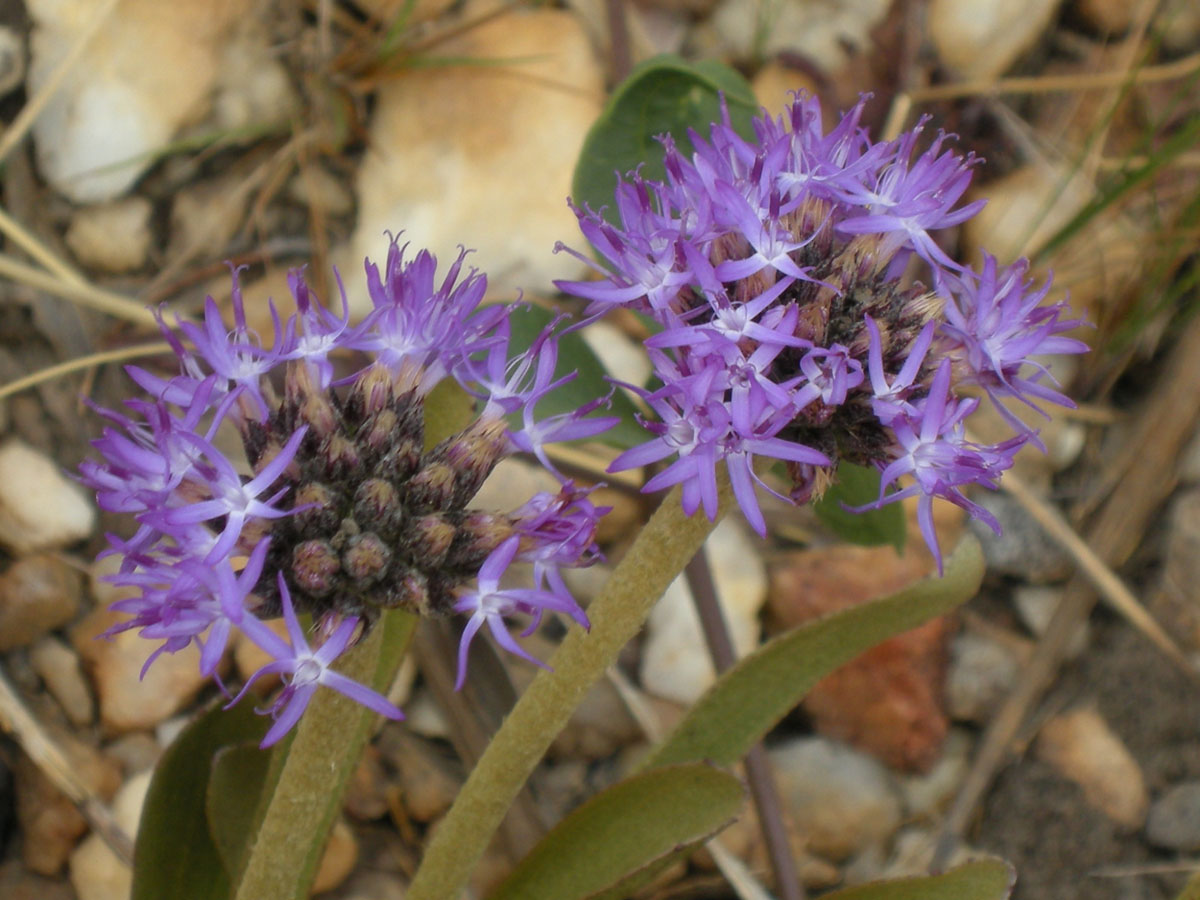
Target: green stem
[(660, 552), (282, 861)]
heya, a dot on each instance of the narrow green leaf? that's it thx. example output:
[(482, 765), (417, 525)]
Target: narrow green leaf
[(174, 846), (623, 830), (985, 879), (662, 95), (235, 788), (751, 698), (574, 355), (858, 486)]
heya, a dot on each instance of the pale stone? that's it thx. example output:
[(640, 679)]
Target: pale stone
[(843, 800), (827, 32), (982, 39), (58, 667), (1036, 606), (775, 85), (253, 87), (337, 862), (113, 237), (37, 594), (147, 71), (1082, 747), (982, 673), (96, 873), (675, 659), (39, 508), (483, 155), (925, 796), (129, 702), (512, 483)]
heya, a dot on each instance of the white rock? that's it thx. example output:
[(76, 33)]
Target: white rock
[(675, 660), (148, 71), (822, 31), (982, 672), (483, 155), (114, 237), (95, 872), (928, 794), (58, 667), (39, 508), (252, 87), (842, 800), (512, 483), (982, 39), (1036, 605)]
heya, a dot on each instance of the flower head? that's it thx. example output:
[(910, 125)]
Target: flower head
[(337, 509), (772, 268)]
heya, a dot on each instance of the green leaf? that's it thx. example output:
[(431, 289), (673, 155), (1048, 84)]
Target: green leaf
[(858, 486), (174, 846), (235, 786), (753, 696), (662, 95), (624, 829), (574, 355), (985, 879)]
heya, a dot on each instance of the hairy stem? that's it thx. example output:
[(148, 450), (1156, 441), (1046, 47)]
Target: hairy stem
[(282, 861), (661, 551)]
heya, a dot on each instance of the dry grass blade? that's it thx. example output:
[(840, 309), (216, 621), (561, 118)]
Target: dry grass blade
[(113, 304), (1163, 429), (31, 110), (83, 363), (46, 755), (1103, 578), (27, 241)]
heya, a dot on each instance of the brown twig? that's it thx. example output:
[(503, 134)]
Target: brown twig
[(50, 759), (758, 767)]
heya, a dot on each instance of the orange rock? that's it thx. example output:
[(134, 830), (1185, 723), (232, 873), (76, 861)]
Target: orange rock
[(889, 701)]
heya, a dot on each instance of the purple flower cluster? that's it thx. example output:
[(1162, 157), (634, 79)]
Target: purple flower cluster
[(338, 509), (773, 270)]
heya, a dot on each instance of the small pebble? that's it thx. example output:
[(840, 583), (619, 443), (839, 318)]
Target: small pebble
[(1174, 820), (1022, 550), (37, 595), (58, 667), (40, 509), (843, 800), (113, 237), (982, 672), (1081, 746), (96, 873)]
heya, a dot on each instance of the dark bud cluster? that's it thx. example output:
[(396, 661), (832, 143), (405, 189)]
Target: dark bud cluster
[(379, 522)]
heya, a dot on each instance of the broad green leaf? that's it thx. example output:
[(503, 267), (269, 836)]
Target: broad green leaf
[(174, 846), (985, 879), (235, 787), (574, 355), (623, 830), (753, 696), (662, 95), (858, 486)]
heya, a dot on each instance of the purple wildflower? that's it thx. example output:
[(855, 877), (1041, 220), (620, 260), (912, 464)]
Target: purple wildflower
[(772, 268), (338, 509)]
